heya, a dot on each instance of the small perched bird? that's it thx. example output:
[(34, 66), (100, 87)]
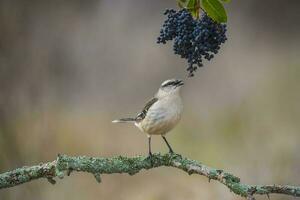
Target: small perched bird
[(161, 113)]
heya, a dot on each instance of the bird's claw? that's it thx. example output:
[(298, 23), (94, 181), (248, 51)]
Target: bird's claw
[(173, 154), (150, 157)]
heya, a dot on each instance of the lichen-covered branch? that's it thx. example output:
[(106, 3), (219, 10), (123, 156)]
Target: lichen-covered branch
[(66, 164)]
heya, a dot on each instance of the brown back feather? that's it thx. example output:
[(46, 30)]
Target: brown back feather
[(143, 114)]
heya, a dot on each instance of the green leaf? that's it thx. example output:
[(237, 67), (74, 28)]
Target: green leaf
[(215, 9), (182, 3), (226, 1), (193, 6)]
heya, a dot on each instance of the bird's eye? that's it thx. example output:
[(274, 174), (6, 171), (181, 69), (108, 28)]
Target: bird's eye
[(171, 83)]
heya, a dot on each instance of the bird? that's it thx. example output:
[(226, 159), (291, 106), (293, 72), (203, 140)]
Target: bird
[(161, 114)]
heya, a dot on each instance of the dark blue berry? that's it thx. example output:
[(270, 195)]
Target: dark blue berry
[(193, 39)]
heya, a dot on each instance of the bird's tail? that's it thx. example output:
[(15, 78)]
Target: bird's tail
[(124, 120)]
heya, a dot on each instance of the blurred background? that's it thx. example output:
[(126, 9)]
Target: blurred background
[(67, 68)]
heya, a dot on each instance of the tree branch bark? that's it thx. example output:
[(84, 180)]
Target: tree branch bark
[(66, 164)]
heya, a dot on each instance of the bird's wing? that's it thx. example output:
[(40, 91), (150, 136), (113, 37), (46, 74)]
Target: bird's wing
[(143, 114)]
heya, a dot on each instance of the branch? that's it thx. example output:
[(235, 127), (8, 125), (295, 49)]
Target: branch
[(66, 164)]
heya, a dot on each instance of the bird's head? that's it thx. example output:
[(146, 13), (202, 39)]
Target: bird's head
[(170, 87)]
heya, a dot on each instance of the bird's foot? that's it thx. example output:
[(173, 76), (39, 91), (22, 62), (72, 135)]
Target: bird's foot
[(173, 154), (150, 158), (171, 151)]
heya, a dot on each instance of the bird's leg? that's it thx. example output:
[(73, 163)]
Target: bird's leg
[(149, 145), (169, 146), (150, 153)]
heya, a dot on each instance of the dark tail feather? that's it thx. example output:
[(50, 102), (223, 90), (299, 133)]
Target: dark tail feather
[(124, 120)]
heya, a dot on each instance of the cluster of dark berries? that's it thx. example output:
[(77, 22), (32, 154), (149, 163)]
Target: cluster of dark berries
[(193, 39)]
